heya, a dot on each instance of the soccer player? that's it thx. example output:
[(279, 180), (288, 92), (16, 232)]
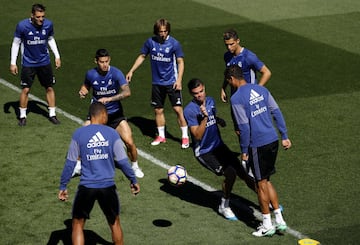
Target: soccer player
[(34, 35), (247, 60), (209, 148), (254, 109), (109, 87), (244, 58), (167, 67), (100, 149)]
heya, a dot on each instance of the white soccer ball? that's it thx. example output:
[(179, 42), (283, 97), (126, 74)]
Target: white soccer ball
[(177, 175)]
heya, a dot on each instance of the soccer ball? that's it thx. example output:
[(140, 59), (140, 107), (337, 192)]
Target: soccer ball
[(177, 175)]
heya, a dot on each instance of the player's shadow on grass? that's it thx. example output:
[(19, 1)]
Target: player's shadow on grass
[(91, 238), (195, 194), (148, 127), (33, 107)]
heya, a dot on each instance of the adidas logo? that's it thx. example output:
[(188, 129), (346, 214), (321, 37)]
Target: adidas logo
[(97, 140), (255, 97)]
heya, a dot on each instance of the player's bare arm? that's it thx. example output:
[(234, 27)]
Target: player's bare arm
[(265, 75), (139, 60), (125, 92), (181, 67)]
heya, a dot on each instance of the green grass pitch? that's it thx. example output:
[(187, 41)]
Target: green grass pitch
[(313, 51)]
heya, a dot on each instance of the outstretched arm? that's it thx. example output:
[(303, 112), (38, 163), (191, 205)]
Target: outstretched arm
[(139, 60)]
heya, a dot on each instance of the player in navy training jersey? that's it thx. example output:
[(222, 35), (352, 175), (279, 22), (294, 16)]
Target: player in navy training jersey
[(244, 58), (255, 110), (34, 35), (109, 87), (167, 68), (209, 149), (100, 149)]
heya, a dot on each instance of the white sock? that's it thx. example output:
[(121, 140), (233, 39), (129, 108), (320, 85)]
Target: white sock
[(267, 220), (22, 112), (52, 111), (135, 164), (184, 131), (278, 216), (161, 131), (224, 202)]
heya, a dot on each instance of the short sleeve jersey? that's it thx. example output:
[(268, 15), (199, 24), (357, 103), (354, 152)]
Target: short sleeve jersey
[(249, 63), (106, 86), (34, 42), (211, 138), (163, 59)]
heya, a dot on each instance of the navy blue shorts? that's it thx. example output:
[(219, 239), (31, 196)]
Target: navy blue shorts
[(107, 198), (262, 160), (159, 93), (219, 159), (114, 119), (44, 74)]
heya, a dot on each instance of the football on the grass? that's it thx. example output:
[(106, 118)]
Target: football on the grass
[(177, 175)]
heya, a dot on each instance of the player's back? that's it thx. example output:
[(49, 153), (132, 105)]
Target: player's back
[(97, 144)]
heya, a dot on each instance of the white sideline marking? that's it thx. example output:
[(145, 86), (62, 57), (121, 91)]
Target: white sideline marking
[(149, 157)]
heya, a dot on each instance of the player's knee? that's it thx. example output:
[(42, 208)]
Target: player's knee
[(49, 89), (25, 90)]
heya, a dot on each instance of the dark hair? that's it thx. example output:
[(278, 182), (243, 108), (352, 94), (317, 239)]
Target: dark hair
[(101, 53), (233, 71), (159, 23), (194, 83), (96, 109), (230, 34), (37, 7)]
